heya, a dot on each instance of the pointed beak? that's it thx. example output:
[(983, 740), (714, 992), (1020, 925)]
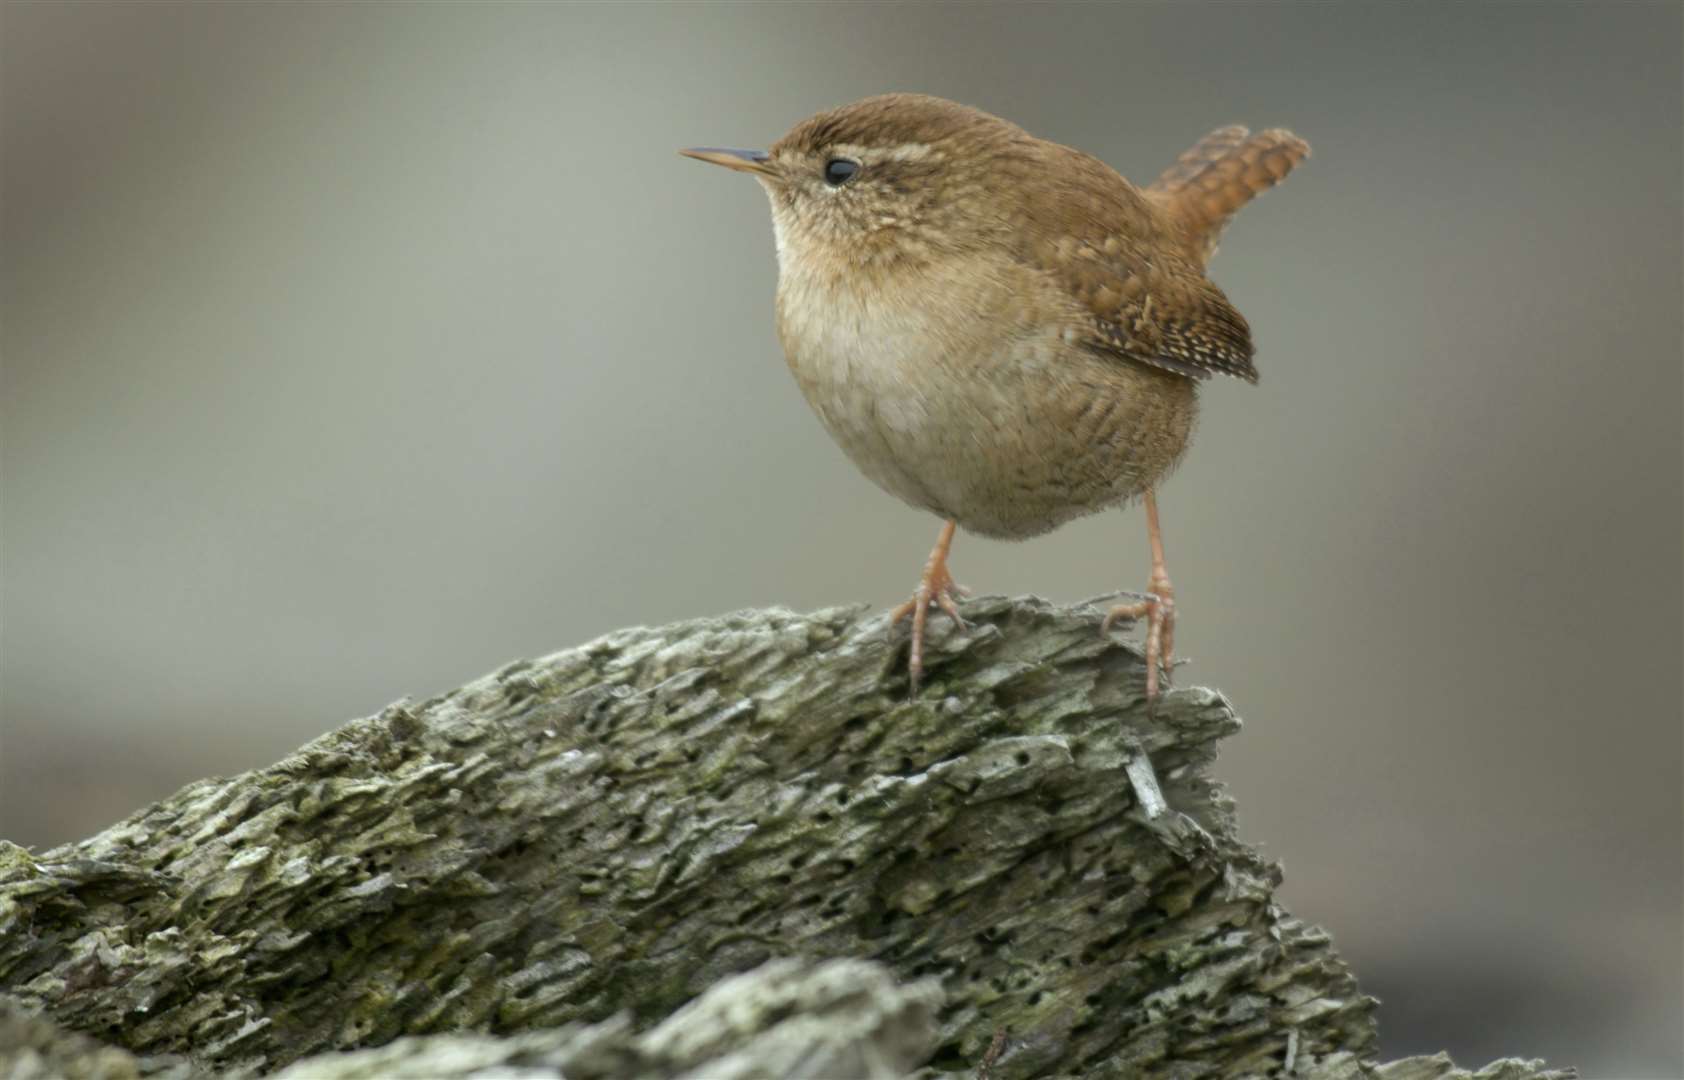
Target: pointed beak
[(750, 161)]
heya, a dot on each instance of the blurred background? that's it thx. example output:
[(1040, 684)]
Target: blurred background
[(353, 350)]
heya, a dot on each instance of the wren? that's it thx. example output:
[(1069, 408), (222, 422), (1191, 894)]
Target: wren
[(999, 329)]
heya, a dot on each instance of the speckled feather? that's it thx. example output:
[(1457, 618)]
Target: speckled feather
[(1136, 261)]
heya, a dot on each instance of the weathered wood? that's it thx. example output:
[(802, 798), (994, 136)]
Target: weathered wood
[(613, 829)]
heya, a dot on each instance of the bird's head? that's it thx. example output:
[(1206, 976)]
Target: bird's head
[(889, 178)]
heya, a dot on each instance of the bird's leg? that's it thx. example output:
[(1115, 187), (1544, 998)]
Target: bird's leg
[(1157, 607), (935, 589)]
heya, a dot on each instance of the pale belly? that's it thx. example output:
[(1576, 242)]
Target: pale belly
[(1011, 432)]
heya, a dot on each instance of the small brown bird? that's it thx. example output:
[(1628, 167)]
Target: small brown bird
[(1001, 330)]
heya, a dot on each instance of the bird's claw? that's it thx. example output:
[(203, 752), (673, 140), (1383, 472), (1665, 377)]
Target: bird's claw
[(936, 589), (1157, 607)]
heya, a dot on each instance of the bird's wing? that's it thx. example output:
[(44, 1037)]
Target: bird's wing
[(1152, 308), (1124, 262)]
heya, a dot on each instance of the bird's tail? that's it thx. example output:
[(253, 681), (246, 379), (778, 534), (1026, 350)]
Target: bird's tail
[(1221, 173)]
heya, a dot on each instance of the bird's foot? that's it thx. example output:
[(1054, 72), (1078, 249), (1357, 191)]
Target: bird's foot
[(1157, 607), (936, 589)]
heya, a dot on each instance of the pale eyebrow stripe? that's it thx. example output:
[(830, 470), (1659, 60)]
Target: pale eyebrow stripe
[(911, 151)]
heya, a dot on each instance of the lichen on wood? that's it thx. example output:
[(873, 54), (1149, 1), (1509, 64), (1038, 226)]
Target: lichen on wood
[(597, 837)]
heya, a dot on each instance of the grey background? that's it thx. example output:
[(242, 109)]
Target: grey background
[(351, 351)]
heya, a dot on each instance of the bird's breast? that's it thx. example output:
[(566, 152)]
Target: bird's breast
[(957, 389), (863, 357)]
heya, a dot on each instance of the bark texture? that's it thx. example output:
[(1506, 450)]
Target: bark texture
[(551, 862)]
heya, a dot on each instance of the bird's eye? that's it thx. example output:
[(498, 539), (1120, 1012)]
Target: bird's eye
[(838, 171)]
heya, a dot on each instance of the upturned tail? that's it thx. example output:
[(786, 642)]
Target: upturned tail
[(1222, 172)]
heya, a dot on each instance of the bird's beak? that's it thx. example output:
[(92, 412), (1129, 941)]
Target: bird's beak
[(750, 161)]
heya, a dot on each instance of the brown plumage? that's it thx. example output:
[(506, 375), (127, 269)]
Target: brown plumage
[(1220, 173), (1000, 329)]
